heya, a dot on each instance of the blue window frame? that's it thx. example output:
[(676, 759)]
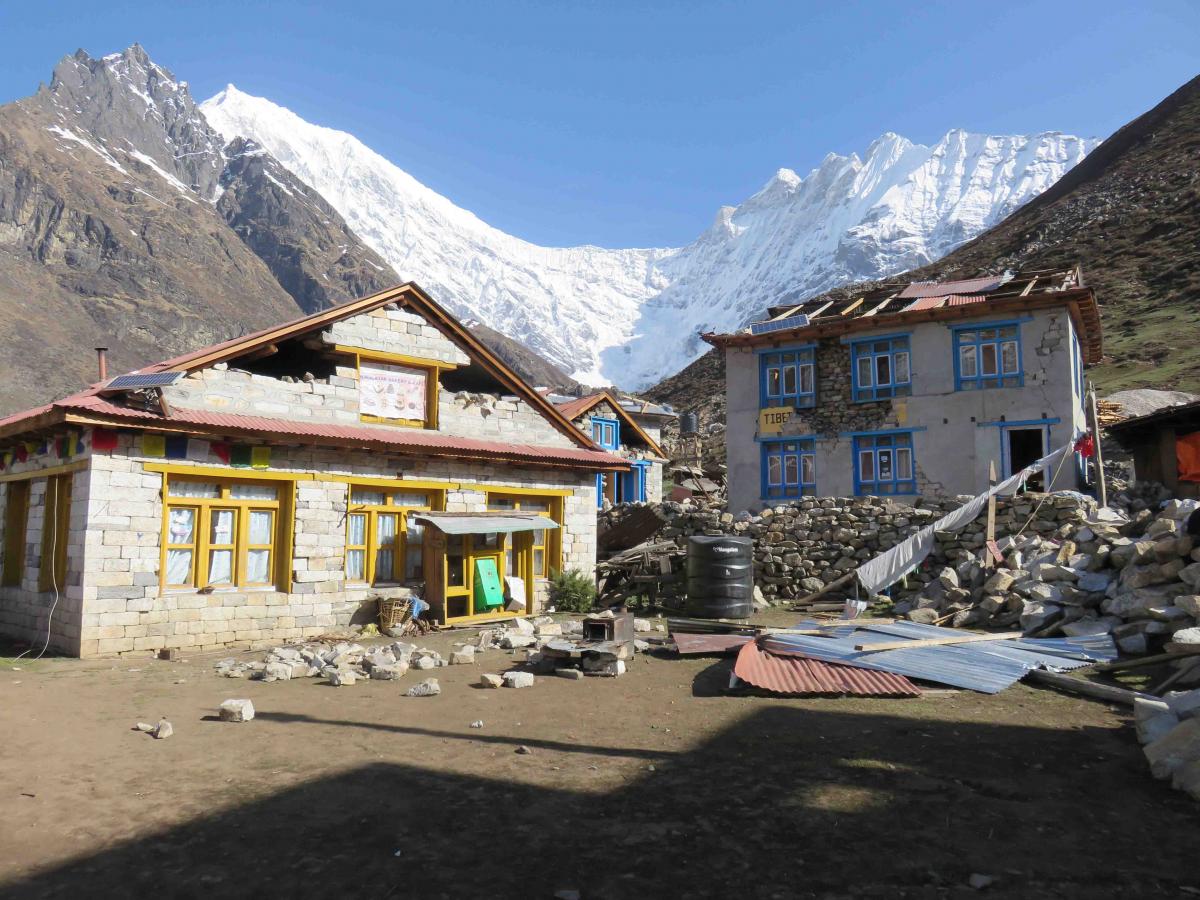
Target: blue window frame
[(787, 377), (606, 433), (789, 468), (631, 485), (881, 368), (987, 356), (884, 464)]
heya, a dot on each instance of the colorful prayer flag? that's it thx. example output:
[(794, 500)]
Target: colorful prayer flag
[(154, 445), (73, 443), (22, 452), (176, 447), (222, 451), (103, 439), (260, 457), (239, 456), (197, 451)]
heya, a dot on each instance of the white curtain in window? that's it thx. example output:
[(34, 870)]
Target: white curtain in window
[(258, 566), (193, 489), (253, 492), (357, 532), (222, 526), (260, 526), (179, 567), (182, 526), (220, 567), (355, 562), (368, 498)]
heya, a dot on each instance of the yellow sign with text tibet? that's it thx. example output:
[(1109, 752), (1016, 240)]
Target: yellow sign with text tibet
[(772, 419)]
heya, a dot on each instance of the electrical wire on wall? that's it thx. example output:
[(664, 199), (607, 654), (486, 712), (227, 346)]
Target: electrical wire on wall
[(49, 519)]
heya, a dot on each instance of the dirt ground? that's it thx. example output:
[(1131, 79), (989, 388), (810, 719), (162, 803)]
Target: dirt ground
[(653, 784)]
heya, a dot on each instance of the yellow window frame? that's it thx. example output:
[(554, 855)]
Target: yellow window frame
[(202, 543), (16, 524), (548, 504), (435, 500), (433, 369), (56, 531)]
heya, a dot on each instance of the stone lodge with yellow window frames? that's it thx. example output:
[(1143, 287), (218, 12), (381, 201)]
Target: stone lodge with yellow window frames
[(271, 487)]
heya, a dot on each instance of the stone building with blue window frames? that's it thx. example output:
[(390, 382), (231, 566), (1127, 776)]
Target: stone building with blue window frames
[(910, 389), (615, 428)]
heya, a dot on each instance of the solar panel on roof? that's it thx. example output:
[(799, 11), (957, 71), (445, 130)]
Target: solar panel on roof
[(779, 324), (138, 382)]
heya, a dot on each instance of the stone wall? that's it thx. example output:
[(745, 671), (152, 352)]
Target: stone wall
[(335, 398)]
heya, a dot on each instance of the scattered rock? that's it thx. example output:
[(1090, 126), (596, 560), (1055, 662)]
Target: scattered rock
[(518, 679), (489, 680), (981, 882), (523, 750), (162, 730), (570, 674), (427, 688), (236, 711), (478, 723)]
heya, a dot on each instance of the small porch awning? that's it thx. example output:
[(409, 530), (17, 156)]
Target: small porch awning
[(484, 523)]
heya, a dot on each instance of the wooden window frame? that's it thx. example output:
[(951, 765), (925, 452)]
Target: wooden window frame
[(56, 532), (281, 509), (551, 545), (433, 375), (436, 500), (16, 527)]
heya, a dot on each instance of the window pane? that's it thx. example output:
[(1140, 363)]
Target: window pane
[(773, 382), (791, 469), (902, 367), (967, 337), (988, 359), (988, 334), (410, 498), (883, 370), (220, 567), (904, 463), (539, 563), (539, 537), (533, 505), (260, 526), (807, 467), (179, 567), (967, 362), (385, 561), (355, 565), (385, 528), (367, 498), (885, 465), (489, 541), (866, 465), (1010, 331), (414, 533), (258, 566), (193, 489), (253, 492), (806, 379), (864, 371), (789, 380), (356, 532), (221, 531), (182, 527), (774, 470), (413, 563), (882, 347), (501, 503), (1008, 353)]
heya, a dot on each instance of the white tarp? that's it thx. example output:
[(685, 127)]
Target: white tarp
[(889, 567)]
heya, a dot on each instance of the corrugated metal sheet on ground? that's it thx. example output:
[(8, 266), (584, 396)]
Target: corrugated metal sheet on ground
[(797, 675), (704, 644), (987, 667)]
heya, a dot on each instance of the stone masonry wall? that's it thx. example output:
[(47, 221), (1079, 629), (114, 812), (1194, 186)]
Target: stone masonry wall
[(125, 611), (335, 399)]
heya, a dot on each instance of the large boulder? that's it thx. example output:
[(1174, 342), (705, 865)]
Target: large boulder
[(1177, 748)]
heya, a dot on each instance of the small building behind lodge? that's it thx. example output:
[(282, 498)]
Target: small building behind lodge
[(908, 390), (268, 488)]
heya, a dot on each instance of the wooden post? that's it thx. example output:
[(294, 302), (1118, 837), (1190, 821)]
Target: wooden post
[(989, 561), (1101, 486)]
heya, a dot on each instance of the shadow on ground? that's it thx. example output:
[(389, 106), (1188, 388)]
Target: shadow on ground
[(791, 802)]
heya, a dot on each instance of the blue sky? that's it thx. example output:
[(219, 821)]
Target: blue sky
[(628, 124)]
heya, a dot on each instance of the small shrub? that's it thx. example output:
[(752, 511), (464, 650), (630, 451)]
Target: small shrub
[(572, 591)]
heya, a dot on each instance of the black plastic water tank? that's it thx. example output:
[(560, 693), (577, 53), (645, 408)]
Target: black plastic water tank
[(689, 423), (720, 577)]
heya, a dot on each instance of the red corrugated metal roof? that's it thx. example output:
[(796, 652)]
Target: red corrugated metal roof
[(799, 675), (941, 288), (398, 439), (964, 299), (573, 408), (925, 303)]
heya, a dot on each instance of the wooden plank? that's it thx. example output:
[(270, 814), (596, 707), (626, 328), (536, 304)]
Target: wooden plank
[(1087, 688), (942, 642), (988, 561), (1176, 648)]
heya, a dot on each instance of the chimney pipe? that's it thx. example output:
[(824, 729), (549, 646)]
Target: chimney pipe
[(102, 362)]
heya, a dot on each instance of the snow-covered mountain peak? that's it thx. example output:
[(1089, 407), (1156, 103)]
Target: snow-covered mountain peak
[(631, 316)]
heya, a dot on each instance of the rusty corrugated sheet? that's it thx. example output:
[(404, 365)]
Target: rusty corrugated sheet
[(925, 303), (798, 675), (705, 644), (942, 288), (964, 299)]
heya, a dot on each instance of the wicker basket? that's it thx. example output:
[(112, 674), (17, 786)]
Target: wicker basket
[(394, 612)]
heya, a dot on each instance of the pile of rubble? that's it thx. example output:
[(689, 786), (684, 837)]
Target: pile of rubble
[(1169, 730), (344, 663)]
